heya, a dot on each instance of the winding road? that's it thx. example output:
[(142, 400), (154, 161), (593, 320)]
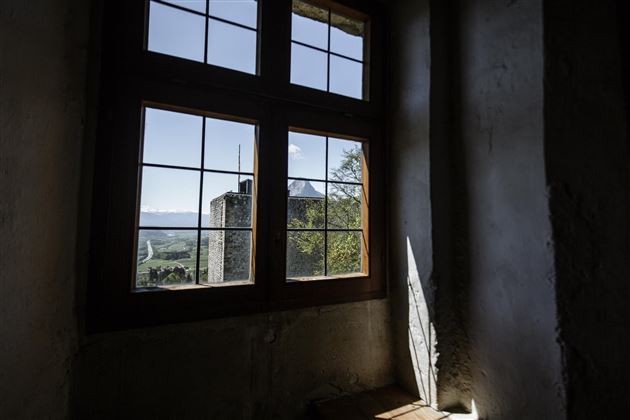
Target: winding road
[(150, 252)]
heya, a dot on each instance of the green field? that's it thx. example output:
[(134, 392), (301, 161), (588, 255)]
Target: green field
[(171, 250)]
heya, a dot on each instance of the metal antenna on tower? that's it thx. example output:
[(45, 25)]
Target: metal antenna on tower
[(239, 168)]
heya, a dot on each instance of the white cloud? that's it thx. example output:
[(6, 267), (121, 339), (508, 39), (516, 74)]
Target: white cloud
[(295, 152)]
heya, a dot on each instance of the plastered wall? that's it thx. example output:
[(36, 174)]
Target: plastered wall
[(468, 152), (257, 367), (510, 311), (411, 285), (42, 82), (588, 173)]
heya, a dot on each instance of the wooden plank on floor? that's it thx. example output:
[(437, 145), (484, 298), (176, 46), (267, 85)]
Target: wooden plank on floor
[(397, 403), (339, 408), (387, 403), (368, 405)]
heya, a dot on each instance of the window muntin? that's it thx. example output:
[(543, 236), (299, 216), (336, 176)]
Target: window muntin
[(196, 218), (328, 50), (219, 32), (195, 5), (326, 208)]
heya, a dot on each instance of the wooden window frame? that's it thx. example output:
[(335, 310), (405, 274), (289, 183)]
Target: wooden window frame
[(130, 77), (325, 229)]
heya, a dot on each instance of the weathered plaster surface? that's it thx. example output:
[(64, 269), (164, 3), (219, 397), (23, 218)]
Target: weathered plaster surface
[(42, 81), (268, 366), (411, 255), (449, 213), (588, 173), (511, 313)]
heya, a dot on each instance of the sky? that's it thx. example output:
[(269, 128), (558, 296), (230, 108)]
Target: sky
[(181, 34), (173, 138)]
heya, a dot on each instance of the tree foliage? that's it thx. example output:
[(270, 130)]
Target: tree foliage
[(344, 212)]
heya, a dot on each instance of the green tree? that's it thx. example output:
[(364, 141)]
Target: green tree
[(344, 212)]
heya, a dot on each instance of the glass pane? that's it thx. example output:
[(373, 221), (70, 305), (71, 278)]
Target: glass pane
[(175, 32), (344, 253), (172, 138), (231, 46), (166, 257), (307, 156), (226, 202), (224, 141), (308, 67), (305, 204), (346, 36), (309, 24), (196, 5), (170, 198), (345, 160), (244, 12), (346, 77), (344, 206), (305, 254), (226, 256)]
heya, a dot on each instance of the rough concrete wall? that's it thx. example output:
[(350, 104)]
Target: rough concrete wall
[(410, 260), (511, 313), (588, 174), (267, 366), (42, 64), (450, 211)]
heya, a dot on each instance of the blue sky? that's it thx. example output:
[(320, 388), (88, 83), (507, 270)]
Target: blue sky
[(180, 33), (175, 139)]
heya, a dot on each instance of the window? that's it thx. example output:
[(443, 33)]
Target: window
[(226, 181), (327, 50), (196, 200), (326, 208), (222, 33)]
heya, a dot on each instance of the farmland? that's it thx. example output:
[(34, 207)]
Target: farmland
[(173, 257)]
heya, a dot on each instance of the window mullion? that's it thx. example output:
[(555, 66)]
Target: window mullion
[(199, 214), (274, 170), (275, 44), (326, 205), (205, 39)]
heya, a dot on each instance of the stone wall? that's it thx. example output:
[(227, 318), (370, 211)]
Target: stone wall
[(229, 252)]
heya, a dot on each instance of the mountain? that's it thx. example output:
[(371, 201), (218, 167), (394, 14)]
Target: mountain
[(300, 188), (163, 218)]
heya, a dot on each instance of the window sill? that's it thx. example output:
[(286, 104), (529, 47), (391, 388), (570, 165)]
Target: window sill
[(327, 278), (178, 287)]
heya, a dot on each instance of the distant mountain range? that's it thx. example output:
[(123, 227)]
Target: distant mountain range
[(159, 218), (300, 188)]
